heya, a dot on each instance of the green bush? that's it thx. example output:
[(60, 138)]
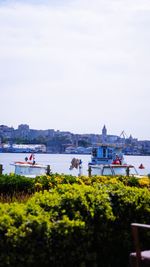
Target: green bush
[(53, 227), (72, 221), (73, 225), (10, 184)]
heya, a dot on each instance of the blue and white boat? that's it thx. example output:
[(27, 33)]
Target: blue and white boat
[(107, 159)]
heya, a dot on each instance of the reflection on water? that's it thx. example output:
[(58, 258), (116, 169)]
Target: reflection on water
[(61, 162)]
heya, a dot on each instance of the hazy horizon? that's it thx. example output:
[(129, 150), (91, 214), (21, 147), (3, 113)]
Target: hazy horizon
[(76, 65)]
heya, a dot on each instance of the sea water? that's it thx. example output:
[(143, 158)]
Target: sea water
[(60, 163)]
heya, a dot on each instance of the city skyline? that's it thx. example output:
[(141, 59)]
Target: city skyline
[(76, 65), (25, 139), (103, 130)]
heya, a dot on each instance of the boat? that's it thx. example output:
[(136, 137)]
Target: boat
[(29, 167), (107, 159)]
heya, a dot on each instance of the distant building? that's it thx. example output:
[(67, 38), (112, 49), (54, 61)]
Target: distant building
[(6, 132), (70, 150), (50, 132), (32, 148), (104, 134), (22, 131), (107, 138)]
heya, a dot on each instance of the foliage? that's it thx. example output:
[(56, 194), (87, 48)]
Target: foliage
[(54, 180), (71, 221), (14, 186), (10, 184)]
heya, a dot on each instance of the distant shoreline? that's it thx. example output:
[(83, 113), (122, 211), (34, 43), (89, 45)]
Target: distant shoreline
[(31, 152)]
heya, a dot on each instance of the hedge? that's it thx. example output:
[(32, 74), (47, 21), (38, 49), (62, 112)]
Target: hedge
[(13, 184), (78, 224), (10, 184)]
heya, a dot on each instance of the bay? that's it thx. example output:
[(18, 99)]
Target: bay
[(60, 163)]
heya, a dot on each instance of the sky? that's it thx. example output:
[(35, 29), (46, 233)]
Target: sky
[(75, 65)]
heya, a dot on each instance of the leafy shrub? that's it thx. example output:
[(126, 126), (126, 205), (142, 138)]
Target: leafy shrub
[(11, 185), (73, 225), (71, 221)]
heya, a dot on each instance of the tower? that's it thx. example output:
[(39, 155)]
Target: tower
[(104, 134)]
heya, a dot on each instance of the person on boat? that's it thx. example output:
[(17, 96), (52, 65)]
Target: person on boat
[(117, 160), (26, 158)]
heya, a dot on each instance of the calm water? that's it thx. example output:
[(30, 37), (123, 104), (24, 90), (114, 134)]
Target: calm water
[(61, 162)]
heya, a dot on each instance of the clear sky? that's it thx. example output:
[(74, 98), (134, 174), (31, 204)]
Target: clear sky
[(75, 65)]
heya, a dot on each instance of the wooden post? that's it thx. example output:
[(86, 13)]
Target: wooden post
[(136, 244), (89, 171), (80, 170), (1, 169), (48, 170)]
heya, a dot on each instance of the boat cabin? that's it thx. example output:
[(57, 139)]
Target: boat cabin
[(106, 154), (29, 170)]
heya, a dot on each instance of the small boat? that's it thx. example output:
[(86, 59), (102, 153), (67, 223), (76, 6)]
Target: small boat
[(107, 159), (30, 168)]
